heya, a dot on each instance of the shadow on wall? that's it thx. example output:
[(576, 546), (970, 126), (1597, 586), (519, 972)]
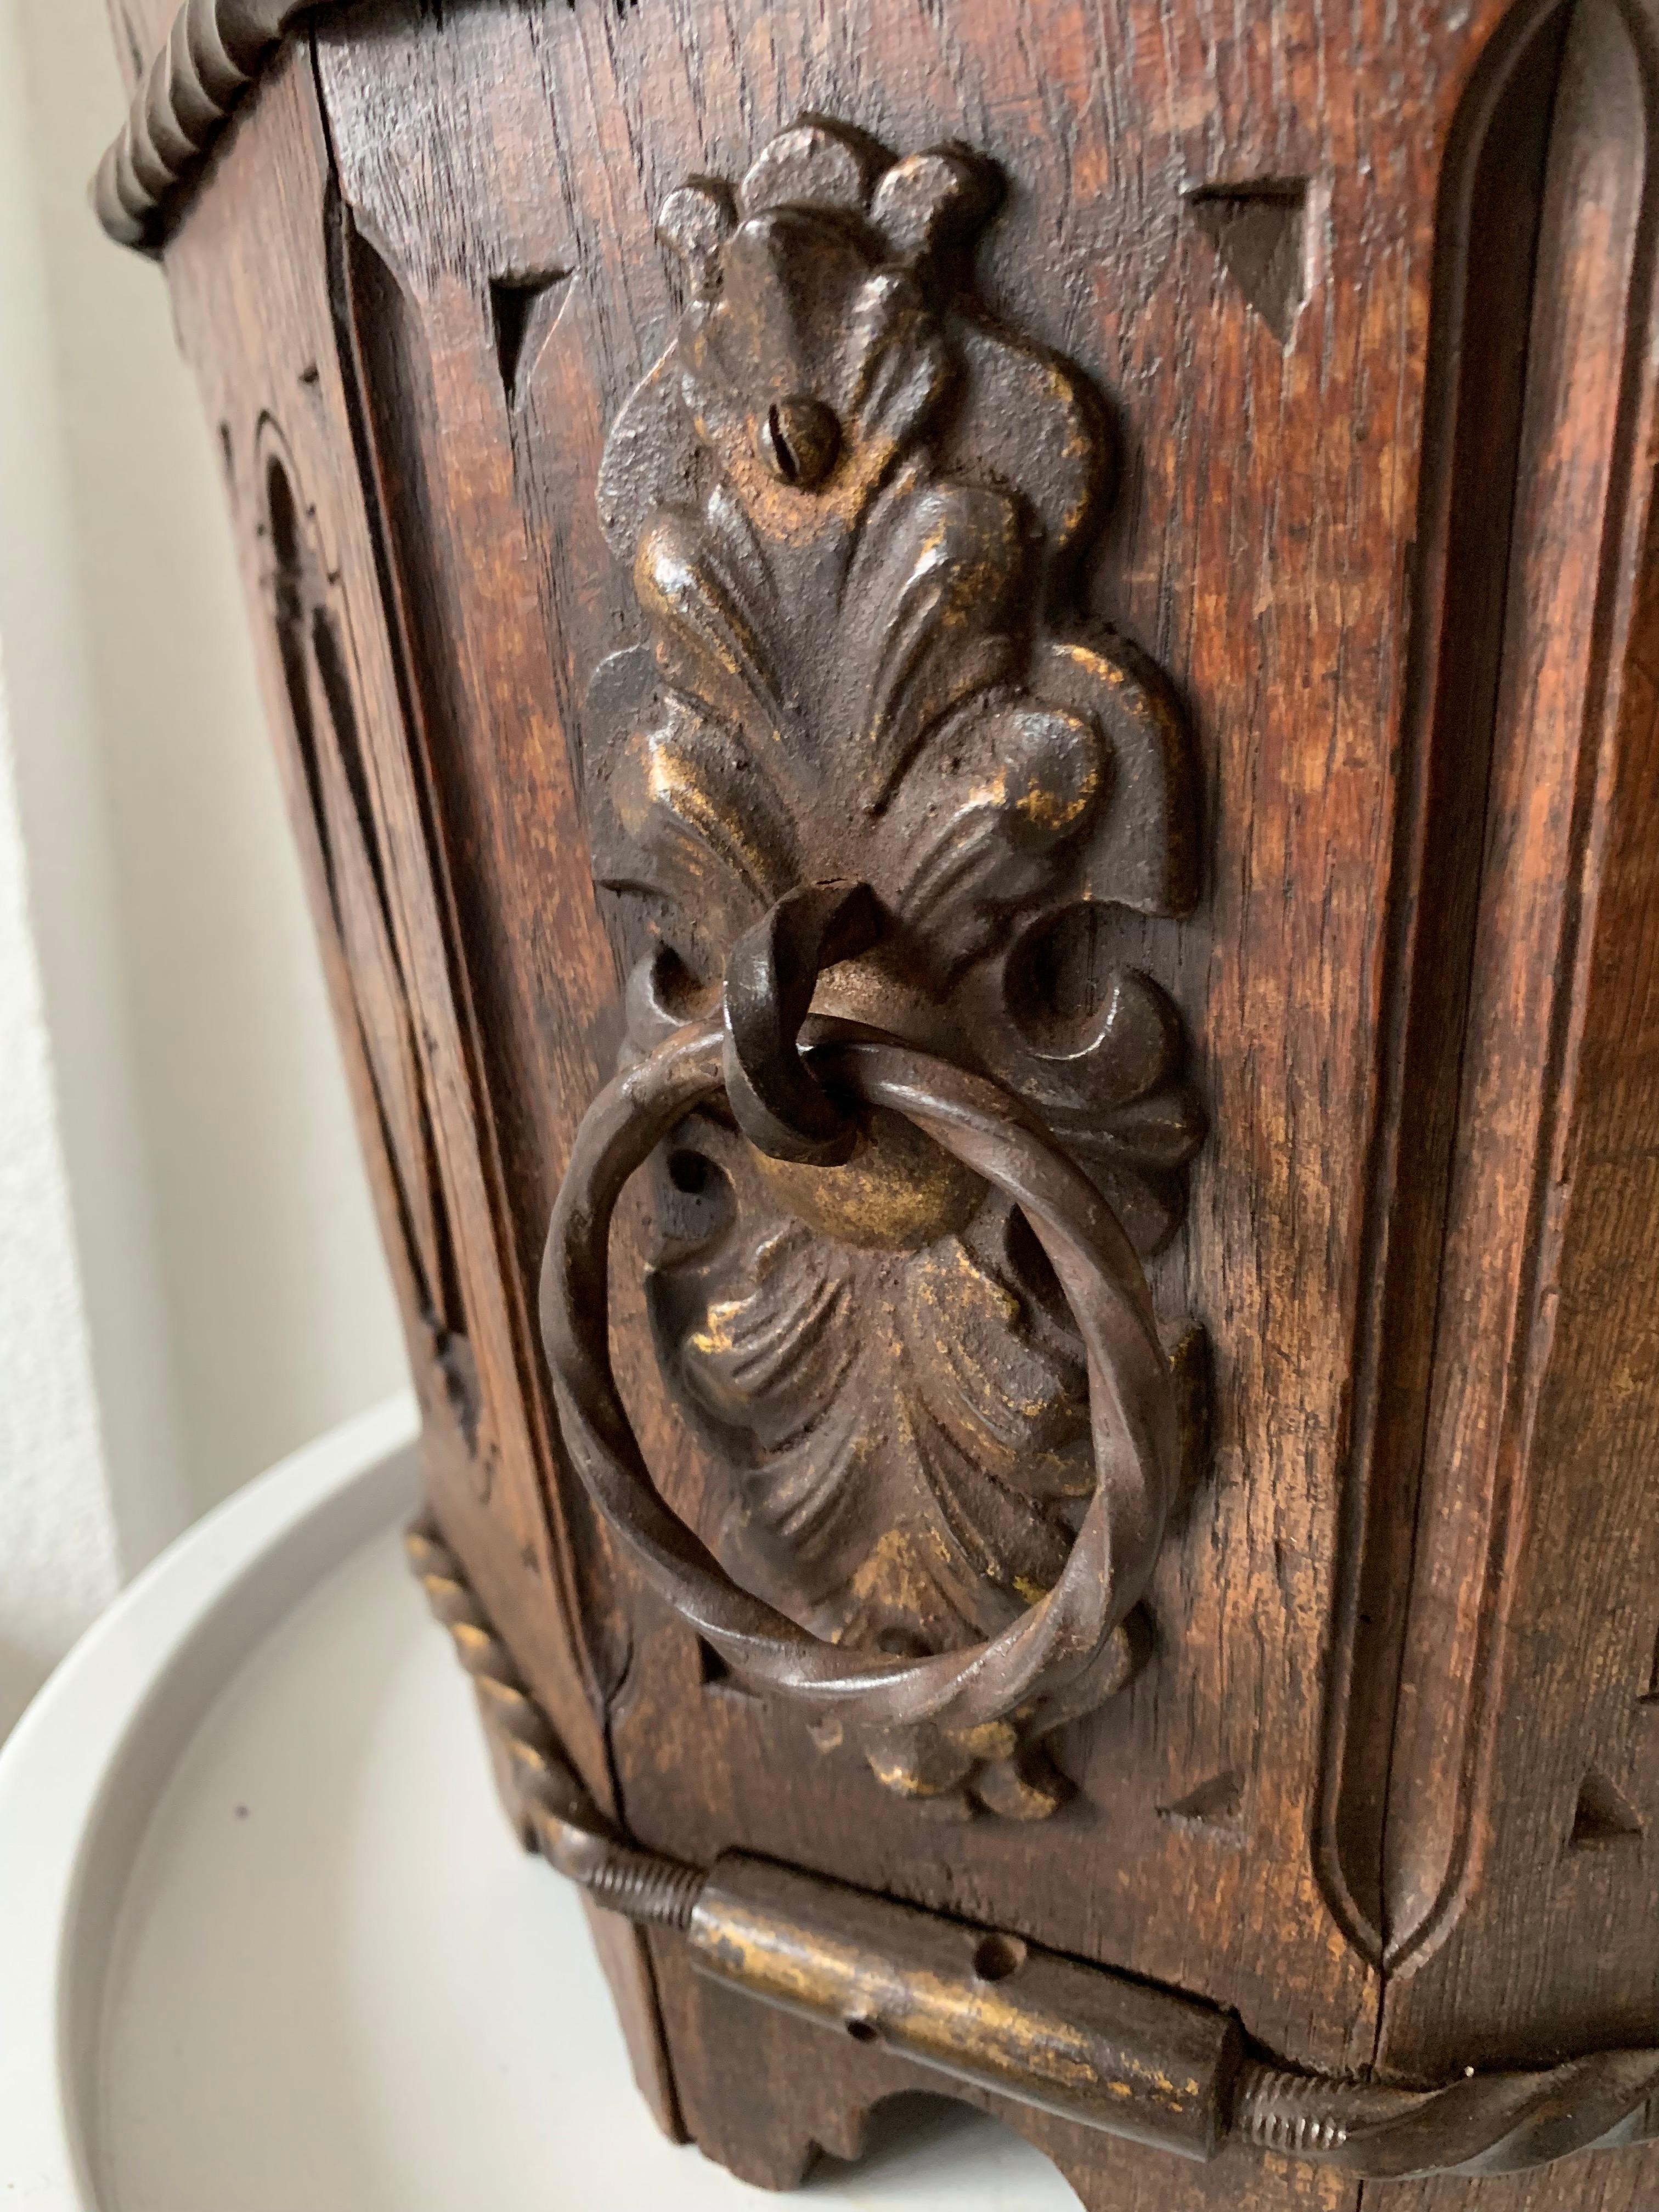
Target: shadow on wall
[(20, 1676), (251, 1241)]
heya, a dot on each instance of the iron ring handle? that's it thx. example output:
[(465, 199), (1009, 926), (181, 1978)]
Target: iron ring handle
[(1132, 1398)]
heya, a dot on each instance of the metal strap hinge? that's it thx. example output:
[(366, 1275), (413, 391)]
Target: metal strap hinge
[(1090, 2044)]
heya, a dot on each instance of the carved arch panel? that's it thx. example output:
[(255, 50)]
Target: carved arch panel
[(319, 664), (335, 651)]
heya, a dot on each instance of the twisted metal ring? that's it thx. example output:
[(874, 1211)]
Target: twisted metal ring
[(1131, 1395), (771, 974)]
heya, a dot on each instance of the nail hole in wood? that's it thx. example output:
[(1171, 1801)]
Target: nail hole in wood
[(689, 1172), (996, 1957)]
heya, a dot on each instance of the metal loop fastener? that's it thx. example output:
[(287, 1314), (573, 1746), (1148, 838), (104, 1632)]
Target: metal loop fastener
[(771, 974), (1042, 1658)]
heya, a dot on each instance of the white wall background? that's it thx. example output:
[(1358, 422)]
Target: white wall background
[(190, 1280)]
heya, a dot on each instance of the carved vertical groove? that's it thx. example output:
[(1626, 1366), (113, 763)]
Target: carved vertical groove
[(1487, 226), (1539, 231), (378, 326)]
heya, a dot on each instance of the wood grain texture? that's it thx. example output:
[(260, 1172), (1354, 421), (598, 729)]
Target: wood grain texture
[(1368, 290), (1485, 249), (1534, 1542)]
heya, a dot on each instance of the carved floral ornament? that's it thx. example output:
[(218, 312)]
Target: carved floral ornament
[(854, 506)]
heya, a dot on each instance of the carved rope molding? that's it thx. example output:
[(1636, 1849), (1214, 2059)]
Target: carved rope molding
[(986, 2009), (215, 53), (872, 759)]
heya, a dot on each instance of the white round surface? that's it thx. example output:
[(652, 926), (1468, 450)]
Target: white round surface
[(266, 1943)]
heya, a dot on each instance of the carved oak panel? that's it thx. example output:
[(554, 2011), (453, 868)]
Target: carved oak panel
[(1183, 544)]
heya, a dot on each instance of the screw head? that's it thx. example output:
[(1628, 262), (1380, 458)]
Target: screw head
[(799, 438)]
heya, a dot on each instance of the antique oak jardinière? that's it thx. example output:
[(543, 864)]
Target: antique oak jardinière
[(975, 690)]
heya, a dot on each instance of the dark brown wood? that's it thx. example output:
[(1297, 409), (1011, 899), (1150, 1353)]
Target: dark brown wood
[(1365, 295)]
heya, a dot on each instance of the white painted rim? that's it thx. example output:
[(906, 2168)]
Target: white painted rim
[(81, 1772)]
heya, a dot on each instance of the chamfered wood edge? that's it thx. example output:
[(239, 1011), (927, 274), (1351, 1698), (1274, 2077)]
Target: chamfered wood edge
[(215, 53)]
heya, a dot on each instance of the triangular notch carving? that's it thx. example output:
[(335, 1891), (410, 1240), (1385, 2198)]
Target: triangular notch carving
[(1259, 230), (1215, 1808), (524, 309), (1603, 1816)]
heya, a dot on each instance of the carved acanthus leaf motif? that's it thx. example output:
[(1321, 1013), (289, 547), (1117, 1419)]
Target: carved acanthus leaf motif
[(849, 502), (819, 1365), (853, 507)]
